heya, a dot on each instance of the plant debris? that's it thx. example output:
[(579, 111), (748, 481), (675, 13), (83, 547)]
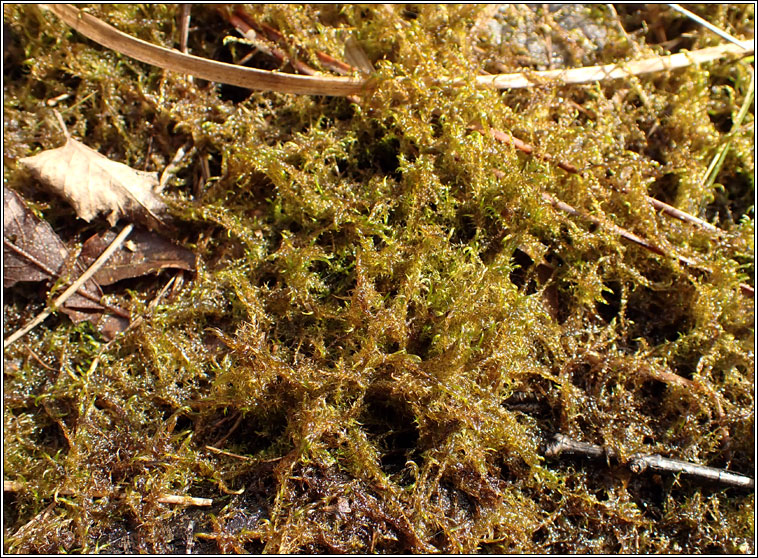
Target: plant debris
[(640, 463), (93, 184), (145, 252), (33, 252), (31, 249)]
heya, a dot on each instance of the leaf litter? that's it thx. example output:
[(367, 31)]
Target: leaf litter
[(146, 252), (93, 184), (33, 252)]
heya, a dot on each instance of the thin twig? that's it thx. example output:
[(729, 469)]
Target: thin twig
[(228, 453), (639, 462), (58, 302), (259, 45), (231, 431), (683, 216), (747, 290), (62, 124), (617, 19), (708, 25), (250, 29), (568, 167), (623, 233), (36, 357), (184, 500), (241, 457), (30, 258), (173, 165), (337, 66), (184, 22), (528, 149)]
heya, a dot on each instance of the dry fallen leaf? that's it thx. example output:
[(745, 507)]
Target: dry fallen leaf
[(145, 252), (94, 184), (31, 249)]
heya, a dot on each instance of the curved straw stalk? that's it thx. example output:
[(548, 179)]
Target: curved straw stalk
[(110, 37), (262, 80)]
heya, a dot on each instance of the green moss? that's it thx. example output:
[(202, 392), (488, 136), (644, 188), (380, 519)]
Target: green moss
[(377, 284)]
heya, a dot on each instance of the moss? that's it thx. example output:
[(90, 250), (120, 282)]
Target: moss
[(377, 284)]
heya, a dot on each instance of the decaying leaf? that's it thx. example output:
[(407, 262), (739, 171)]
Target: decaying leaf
[(144, 253), (94, 184), (31, 249), (33, 252)]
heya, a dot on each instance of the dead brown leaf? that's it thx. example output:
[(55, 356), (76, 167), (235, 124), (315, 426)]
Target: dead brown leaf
[(33, 252), (94, 184), (144, 253), (31, 249)]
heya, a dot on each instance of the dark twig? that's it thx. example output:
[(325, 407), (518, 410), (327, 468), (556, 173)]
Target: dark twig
[(639, 462), (528, 149), (257, 33), (747, 290), (254, 32), (657, 204), (234, 427)]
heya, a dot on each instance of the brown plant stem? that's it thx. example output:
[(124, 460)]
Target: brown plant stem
[(568, 167), (623, 233), (110, 37)]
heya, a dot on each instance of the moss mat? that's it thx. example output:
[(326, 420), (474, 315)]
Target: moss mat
[(388, 320)]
